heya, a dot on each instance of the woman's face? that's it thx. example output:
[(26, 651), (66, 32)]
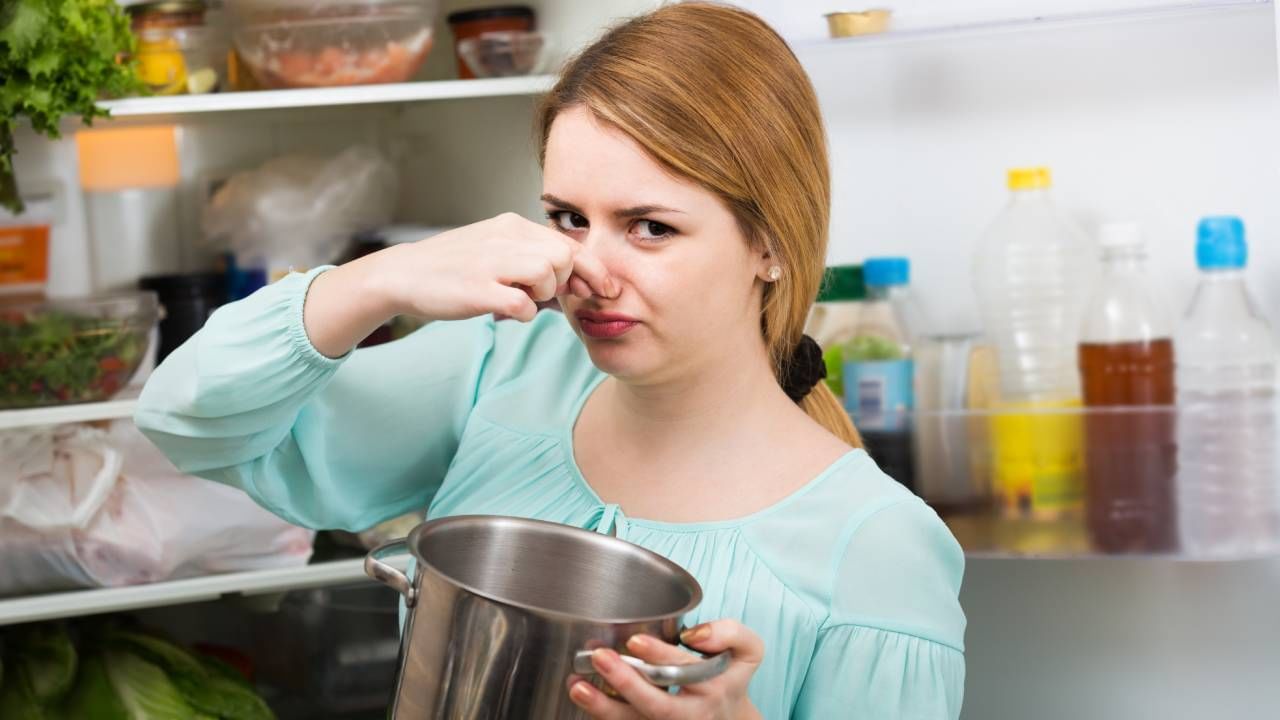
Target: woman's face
[(690, 283)]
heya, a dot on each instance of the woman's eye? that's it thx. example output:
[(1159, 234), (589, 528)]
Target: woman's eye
[(566, 220), (652, 230)]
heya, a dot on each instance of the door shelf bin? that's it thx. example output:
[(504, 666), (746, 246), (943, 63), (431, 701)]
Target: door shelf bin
[(1197, 482)]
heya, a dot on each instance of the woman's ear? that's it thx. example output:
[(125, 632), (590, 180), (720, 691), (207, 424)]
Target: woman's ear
[(768, 269)]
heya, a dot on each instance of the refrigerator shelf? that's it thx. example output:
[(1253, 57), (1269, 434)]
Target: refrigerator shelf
[(389, 93), (118, 408), (1196, 482), (927, 32), (174, 592)]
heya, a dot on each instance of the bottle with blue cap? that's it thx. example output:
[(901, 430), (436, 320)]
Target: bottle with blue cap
[(879, 373), (1228, 475)]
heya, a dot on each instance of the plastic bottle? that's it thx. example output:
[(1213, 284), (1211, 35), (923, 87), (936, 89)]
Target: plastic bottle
[(834, 317), (1031, 273), (1228, 478), (1126, 370), (878, 368)]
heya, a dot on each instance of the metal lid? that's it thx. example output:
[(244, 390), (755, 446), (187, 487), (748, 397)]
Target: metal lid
[(489, 13), (166, 7)]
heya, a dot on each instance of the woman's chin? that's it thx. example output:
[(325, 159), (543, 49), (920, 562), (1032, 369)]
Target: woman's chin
[(619, 358)]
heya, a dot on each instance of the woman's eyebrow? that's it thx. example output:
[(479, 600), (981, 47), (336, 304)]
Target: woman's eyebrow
[(629, 212)]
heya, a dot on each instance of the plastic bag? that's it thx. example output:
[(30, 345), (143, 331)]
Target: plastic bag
[(83, 507), (299, 211)]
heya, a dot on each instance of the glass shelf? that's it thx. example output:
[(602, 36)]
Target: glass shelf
[(1073, 482)]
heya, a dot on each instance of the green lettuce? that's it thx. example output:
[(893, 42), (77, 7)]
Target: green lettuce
[(56, 58)]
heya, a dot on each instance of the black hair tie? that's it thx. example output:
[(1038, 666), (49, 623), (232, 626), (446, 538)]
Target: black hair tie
[(805, 370)]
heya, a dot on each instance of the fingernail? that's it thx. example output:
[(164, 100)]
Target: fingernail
[(603, 660), (639, 643), (580, 693), (696, 634)]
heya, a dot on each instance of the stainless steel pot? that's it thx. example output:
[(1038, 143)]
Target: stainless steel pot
[(502, 610)]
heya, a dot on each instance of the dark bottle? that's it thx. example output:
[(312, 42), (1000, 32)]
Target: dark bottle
[(1127, 374)]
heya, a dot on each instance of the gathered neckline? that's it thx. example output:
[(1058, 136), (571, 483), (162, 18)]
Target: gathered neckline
[(567, 447)]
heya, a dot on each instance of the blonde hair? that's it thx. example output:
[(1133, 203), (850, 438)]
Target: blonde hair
[(713, 94)]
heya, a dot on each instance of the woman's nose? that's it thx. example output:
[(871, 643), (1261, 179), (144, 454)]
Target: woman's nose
[(603, 245)]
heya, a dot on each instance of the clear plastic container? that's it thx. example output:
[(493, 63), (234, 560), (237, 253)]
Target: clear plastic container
[(1226, 375), (1126, 359), (72, 351), (1031, 272), (984, 528), (309, 43)]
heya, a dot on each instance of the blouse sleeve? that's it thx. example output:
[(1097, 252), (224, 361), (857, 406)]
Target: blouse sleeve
[(894, 644), (322, 442)]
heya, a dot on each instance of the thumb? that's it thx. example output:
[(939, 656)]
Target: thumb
[(720, 635)]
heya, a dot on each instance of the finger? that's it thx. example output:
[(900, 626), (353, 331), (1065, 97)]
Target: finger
[(597, 704), (649, 700), (652, 650), (534, 273), (588, 267), (579, 287), (512, 302), (721, 635)]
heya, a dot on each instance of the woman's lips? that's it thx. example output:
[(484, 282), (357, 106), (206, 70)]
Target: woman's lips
[(604, 325)]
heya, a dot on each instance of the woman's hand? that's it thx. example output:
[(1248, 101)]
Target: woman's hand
[(504, 265), (721, 698)]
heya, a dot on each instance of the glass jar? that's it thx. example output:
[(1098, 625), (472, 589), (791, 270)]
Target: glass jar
[(176, 53)]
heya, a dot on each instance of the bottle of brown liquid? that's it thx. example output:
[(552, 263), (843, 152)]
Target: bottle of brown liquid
[(1127, 371)]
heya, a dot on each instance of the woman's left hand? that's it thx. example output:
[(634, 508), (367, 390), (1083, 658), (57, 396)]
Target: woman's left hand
[(721, 698)]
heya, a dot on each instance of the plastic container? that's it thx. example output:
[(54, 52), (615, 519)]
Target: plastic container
[(1126, 361), (951, 465), (506, 53), (1031, 273), (878, 368), (834, 317), (1229, 479), (188, 301), (176, 52), (309, 43), (72, 351), (478, 21)]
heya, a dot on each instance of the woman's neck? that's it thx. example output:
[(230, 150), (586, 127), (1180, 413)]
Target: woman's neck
[(698, 402)]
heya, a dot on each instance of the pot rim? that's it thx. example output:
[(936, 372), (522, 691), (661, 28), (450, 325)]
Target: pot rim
[(589, 536)]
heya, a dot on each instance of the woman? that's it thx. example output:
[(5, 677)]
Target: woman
[(673, 403)]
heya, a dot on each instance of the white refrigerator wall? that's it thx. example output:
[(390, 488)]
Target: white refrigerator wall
[(1161, 121)]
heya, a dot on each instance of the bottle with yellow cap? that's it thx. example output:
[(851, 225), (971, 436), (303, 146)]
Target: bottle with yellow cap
[(1031, 273)]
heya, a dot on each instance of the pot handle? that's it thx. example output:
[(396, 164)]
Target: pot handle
[(663, 675), (387, 575)]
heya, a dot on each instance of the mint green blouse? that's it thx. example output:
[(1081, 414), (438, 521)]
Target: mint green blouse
[(851, 581)]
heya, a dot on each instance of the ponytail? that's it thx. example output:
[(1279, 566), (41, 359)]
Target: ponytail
[(822, 405)]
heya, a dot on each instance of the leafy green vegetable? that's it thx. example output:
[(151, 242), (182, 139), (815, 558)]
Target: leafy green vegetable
[(206, 689), (43, 655), (144, 689), (50, 356), (17, 699), (93, 697), (56, 58)]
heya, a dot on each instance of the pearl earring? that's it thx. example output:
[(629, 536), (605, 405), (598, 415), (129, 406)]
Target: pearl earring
[(775, 273)]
